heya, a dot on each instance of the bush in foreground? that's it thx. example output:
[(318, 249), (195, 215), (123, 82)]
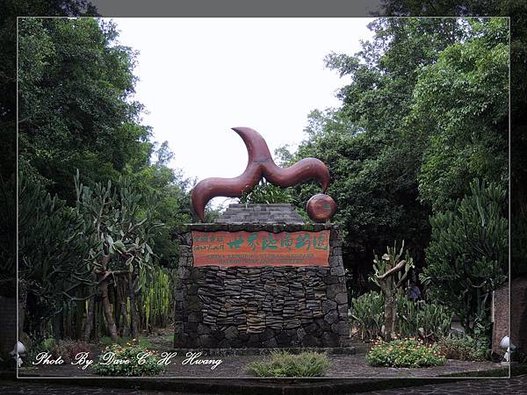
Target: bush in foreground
[(285, 364), (464, 347), (129, 360), (406, 353)]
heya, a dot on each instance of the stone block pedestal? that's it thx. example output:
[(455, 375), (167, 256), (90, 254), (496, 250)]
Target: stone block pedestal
[(294, 298)]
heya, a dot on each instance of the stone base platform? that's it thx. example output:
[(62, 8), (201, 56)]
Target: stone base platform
[(260, 301)]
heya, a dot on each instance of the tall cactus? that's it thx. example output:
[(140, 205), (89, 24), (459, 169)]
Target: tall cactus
[(390, 272), (118, 230)]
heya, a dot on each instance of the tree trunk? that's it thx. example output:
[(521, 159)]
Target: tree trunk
[(389, 317), (22, 305), (107, 310), (89, 319), (122, 292), (133, 311)]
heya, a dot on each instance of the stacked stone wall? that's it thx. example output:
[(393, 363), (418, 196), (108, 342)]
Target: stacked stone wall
[(233, 307)]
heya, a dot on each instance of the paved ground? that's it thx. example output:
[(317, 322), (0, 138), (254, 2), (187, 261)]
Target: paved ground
[(515, 385), (348, 374), (342, 367)]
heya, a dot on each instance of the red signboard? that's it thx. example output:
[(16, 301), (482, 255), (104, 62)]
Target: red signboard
[(260, 248)]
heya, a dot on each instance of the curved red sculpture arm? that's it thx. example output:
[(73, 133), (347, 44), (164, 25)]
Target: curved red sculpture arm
[(209, 188), (260, 164), (303, 170)]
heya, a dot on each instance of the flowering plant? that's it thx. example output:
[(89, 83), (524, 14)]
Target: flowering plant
[(132, 359), (404, 353)]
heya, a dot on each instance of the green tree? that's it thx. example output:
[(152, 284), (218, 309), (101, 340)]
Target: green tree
[(117, 231), (384, 146), (266, 193), (170, 191), (76, 111), (50, 255), (373, 165), (468, 255), (461, 108), (9, 10), (517, 11)]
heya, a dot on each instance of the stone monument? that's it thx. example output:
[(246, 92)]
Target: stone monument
[(259, 276)]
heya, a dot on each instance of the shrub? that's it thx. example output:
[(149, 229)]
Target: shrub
[(429, 321), (467, 255), (48, 344), (284, 364), (406, 353), (68, 349), (414, 319), (367, 312), (463, 347), (125, 361)]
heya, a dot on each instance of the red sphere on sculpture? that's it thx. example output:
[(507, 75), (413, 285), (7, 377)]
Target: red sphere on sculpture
[(321, 207)]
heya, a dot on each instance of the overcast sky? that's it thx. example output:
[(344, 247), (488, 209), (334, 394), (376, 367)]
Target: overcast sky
[(198, 77)]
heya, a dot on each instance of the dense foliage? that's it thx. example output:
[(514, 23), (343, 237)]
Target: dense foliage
[(95, 243), (415, 318), (425, 114), (406, 353), (463, 347), (130, 359), (468, 255), (9, 10), (424, 117), (390, 145), (50, 251)]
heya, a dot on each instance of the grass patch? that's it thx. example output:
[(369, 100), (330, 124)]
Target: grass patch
[(285, 364)]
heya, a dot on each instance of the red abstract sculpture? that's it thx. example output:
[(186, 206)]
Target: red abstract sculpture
[(321, 207), (260, 164)]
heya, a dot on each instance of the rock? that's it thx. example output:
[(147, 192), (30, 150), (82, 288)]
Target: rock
[(231, 333), (328, 305), (194, 317), (337, 271), (283, 339), (331, 317), (342, 298), (341, 327), (330, 339)]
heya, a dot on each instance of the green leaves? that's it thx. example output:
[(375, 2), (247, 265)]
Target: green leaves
[(461, 102), (51, 248), (285, 364), (467, 256), (116, 226), (75, 109), (266, 193), (367, 312), (425, 113), (406, 353)]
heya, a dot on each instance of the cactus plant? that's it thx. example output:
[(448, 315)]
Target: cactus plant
[(390, 273)]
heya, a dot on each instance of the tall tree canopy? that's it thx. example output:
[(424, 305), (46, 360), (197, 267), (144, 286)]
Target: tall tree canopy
[(76, 111), (425, 113), (9, 10), (77, 115)]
